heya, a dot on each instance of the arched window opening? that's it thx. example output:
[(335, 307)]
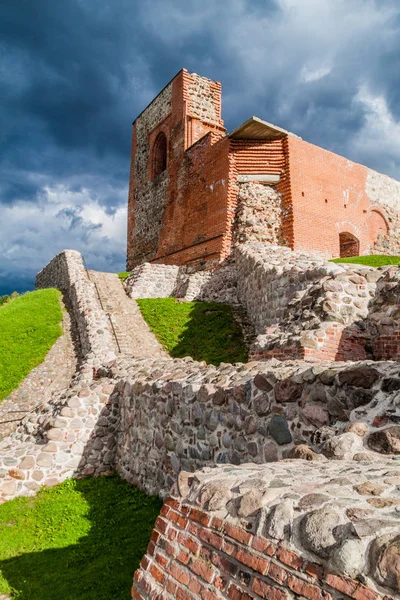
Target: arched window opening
[(159, 163), (349, 245)]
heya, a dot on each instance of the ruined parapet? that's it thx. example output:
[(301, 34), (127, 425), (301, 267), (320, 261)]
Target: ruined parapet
[(283, 531), (164, 281), (183, 415), (305, 307), (67, 273), (152, 281)]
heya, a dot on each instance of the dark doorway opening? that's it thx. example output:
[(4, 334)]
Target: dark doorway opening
[(349, 245), (159, 155)]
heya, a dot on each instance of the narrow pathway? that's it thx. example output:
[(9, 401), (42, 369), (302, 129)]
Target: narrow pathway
[(131, 330), (45, 382)]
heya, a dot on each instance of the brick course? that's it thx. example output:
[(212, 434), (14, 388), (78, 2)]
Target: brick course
[(243, 568)]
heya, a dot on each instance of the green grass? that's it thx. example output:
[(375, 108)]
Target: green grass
[(29, 326), (202, 330), (374, 260), (124, 275), (81, 540)]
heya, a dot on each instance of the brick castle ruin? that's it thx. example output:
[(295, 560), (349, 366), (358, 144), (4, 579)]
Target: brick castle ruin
[(191, 181), (281, 476)]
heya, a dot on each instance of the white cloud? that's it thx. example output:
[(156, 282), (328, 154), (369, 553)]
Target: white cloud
[(309, 74), (378, 141), (62, 218)]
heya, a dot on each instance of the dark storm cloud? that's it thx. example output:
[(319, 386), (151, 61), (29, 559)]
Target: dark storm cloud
[(75, 74)]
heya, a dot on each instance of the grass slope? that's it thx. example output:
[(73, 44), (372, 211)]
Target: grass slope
[(374, 260), (202, 330), (29, 326), (124, 275), (81, 540)]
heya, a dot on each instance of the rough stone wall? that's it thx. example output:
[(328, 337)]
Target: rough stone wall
[(284, 531), (181, 415), (270, 276), (162, 281), (152, 281), (53, 442), (67, 273), (259, 215), (384, 316), (152, 418), (204, 96), (306, 307), (213, 285)]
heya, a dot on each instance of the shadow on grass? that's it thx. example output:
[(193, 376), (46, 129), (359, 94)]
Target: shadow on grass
[(100, 565), (203, 330)]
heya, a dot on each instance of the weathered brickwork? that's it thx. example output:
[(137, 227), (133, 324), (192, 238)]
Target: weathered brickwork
[(384, 194), (186, 214), (279, 532)]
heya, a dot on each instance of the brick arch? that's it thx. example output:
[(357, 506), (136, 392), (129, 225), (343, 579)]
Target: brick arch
[(349, 244), (377, 223), (159, 155)]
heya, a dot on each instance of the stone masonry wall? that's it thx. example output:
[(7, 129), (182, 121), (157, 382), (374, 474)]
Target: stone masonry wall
[(162, 281), (152, 281), (384, 316), (182, 415), (331, 529), (306, 307), (284, 531), (270, 276), (148, 197), (67, 273), (52, 442), (259, 215)]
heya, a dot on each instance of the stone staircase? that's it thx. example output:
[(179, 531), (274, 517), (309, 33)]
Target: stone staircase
[(131, 333)]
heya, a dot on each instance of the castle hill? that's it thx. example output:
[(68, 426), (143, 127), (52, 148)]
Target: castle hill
[(234, 395)]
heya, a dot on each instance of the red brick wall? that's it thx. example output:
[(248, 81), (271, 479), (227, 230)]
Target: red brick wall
[(189, 217), (338, 343), (193, 555), (328, 197), (195, 221)]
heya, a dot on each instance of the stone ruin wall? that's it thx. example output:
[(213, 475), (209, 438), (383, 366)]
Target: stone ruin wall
[(181, 415), (66, 272), (204, 98), (163, 281), (289, 531), (301, 306), (306, 307), (157, 420)]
